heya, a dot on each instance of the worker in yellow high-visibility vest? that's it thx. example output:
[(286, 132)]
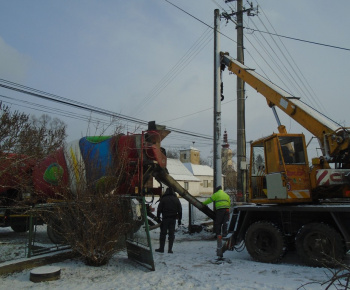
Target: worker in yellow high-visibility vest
[(222, 204)]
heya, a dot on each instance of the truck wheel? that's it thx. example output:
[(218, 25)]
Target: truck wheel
[(54, 231), (319, 245), (20, 228), (265, 242)]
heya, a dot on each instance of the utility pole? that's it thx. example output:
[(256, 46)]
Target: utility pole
[(217, 102), (241, 138)]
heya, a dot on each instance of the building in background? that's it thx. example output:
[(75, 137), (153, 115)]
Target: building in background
[(191, 159), (190, 155), (197, 179), (206, 176), (183, 176)]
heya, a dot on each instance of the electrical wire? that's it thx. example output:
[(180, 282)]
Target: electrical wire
[(302, 86), (179, 66), (300, 74), (195, 113), (50, 110), (290, 78), (176, 69), (299, 85), (95, 120), (189, 14), (257, 30), (54, 98), (299, 39), (217, 4)]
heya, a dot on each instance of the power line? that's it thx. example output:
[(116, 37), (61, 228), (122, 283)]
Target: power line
[(184, 11), (295, 84), (50, 110), (307, 86), (176, 69), (286, 71), (179, 66), (298, 39), (275, 34), (189, 14), (51, 97), (201, 111), (299, 75)]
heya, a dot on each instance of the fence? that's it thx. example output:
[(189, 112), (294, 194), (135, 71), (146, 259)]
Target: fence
[(138, 243), (36, 241)]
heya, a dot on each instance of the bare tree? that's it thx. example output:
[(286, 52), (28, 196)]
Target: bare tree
[(31, 136), (95, 214), (173, 153), (94, 225), (12, 125), (43, 136), (206, 161), (24, 141), (337, 275), (230, 179)]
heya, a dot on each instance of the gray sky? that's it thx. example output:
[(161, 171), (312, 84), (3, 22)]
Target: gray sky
[(149, 60)]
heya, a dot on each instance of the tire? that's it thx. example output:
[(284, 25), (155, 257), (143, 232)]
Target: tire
[(265, 242), (20, 228), (320, 245), (54, 231)]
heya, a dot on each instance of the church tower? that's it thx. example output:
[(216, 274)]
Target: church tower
[(226, 154), (190, 155)]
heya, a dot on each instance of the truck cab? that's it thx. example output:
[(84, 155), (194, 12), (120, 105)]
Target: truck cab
[(279, 170)]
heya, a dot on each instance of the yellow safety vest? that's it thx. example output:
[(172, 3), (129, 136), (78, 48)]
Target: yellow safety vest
[(220, 198)]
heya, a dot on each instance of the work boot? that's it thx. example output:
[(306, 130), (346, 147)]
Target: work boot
[(161, 245), (170, 248)]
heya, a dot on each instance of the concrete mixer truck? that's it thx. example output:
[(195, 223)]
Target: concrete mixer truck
[(86, 162)]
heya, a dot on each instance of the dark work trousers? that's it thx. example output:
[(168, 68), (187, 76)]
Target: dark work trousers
[(221, 221), (168, 226)]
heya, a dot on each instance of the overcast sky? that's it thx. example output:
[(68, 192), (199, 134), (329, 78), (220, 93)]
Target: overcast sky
[(149, 60)]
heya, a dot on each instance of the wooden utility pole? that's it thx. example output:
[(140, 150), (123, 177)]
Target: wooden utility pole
[(241, 138)]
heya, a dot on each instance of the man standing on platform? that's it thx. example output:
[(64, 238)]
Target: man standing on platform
[(222, 204)]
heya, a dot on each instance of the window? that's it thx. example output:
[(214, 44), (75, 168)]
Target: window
[(186, 185), (258, 160), (205, 183), (293, 150)]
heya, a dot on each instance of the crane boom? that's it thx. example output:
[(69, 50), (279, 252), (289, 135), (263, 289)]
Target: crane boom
[(332, 137)]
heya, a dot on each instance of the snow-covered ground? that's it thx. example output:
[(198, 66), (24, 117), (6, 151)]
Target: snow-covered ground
[(193, 265)]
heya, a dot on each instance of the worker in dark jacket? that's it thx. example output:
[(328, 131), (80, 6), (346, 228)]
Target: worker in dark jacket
[(170, 209), (222, 204)]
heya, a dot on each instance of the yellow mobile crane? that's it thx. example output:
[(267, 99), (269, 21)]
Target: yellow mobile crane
[(292, 204)]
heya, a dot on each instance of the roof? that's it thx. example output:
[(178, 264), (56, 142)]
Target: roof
[(190, 148), (178, 171), (196, 169)]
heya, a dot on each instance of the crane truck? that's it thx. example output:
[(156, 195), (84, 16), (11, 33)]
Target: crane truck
[(293, 205)]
